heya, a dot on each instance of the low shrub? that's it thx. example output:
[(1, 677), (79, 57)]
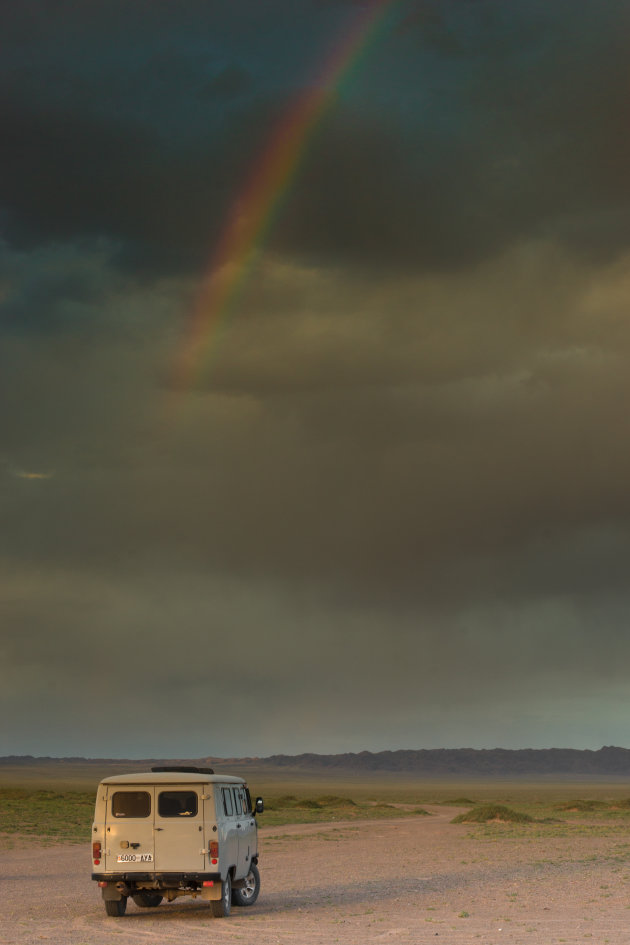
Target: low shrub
[(582, 806), (289, 801), (489, 813), (333, 800)]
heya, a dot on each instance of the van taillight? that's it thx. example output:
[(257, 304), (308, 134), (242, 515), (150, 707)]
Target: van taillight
[(213, 849), (96, 852)]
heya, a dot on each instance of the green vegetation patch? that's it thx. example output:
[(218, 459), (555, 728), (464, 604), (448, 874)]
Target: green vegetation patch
[(64, 816), (290, 801), (493, 813), (583, 806), (333, 800), (292, 809)]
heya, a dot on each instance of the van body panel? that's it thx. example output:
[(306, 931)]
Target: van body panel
[(226, 825), (178, 828), (129, 839), (246, 828)]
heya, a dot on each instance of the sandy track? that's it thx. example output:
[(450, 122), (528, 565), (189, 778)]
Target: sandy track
[(414, 880)]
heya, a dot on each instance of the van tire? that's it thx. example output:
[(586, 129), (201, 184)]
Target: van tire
[(147, 899), (116, 907), (248, 894), (221, 907)]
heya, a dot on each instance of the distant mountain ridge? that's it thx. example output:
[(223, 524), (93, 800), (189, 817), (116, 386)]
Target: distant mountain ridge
[(478, 761), (432, 762)]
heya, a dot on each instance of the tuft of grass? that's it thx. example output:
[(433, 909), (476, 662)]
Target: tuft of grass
[(421, 811), (281, 803), (290, 801), (582, 806), (333, 800), (492, 813), (460, 802)]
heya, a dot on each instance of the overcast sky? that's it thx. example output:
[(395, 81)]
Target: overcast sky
[(390, 508)]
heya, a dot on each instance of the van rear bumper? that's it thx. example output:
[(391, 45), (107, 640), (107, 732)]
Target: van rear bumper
[(162, 879)]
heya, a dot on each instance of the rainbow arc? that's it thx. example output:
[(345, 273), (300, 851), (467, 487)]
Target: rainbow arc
[(258, 204)]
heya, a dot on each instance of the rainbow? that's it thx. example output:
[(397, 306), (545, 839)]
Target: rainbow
[(257, 206)]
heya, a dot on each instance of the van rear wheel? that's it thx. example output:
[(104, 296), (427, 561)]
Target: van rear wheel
[(116, 907), (146, 899), (221, 907), (248, 894)]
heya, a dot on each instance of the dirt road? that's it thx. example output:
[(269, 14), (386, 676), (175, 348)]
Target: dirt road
[(413, 880)]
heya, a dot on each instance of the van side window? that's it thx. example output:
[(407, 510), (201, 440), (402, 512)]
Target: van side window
[(177, 804), (131, 804), (227, 801), (237, 801), (248, 801)]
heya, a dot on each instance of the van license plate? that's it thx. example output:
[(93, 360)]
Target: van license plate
[(134, 858)]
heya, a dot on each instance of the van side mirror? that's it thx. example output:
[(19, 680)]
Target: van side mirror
[(259, 808)]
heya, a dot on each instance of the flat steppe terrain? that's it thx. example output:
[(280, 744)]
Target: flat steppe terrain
[(405, 878)]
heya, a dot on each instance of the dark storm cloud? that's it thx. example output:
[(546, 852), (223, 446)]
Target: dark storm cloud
[(68, 176), (228, 82), (395, 458), (58, 288), (435, 535), (146, 139), (402, 465), (160, 633), (523, 136), (108, 132)]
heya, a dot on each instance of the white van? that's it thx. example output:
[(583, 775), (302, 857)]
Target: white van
[(175, 831)]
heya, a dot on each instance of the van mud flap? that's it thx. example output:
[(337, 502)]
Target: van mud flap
[(115, 891)]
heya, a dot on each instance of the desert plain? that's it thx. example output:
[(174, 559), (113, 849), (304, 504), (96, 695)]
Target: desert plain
[(345, 859)]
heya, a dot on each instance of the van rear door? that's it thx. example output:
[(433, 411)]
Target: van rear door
[(129, 836), (179, 836)]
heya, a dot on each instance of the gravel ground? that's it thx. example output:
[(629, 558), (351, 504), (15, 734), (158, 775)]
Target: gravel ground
[(413, 880)]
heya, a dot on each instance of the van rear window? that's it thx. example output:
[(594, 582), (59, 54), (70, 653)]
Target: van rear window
[(177, 804), (131, 804)]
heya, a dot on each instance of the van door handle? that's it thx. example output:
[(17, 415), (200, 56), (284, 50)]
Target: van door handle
[(158, 828)]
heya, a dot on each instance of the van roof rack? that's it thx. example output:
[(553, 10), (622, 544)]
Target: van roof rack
[(184, 769)]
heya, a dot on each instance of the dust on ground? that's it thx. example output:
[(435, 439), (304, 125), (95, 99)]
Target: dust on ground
[(410, 880)]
